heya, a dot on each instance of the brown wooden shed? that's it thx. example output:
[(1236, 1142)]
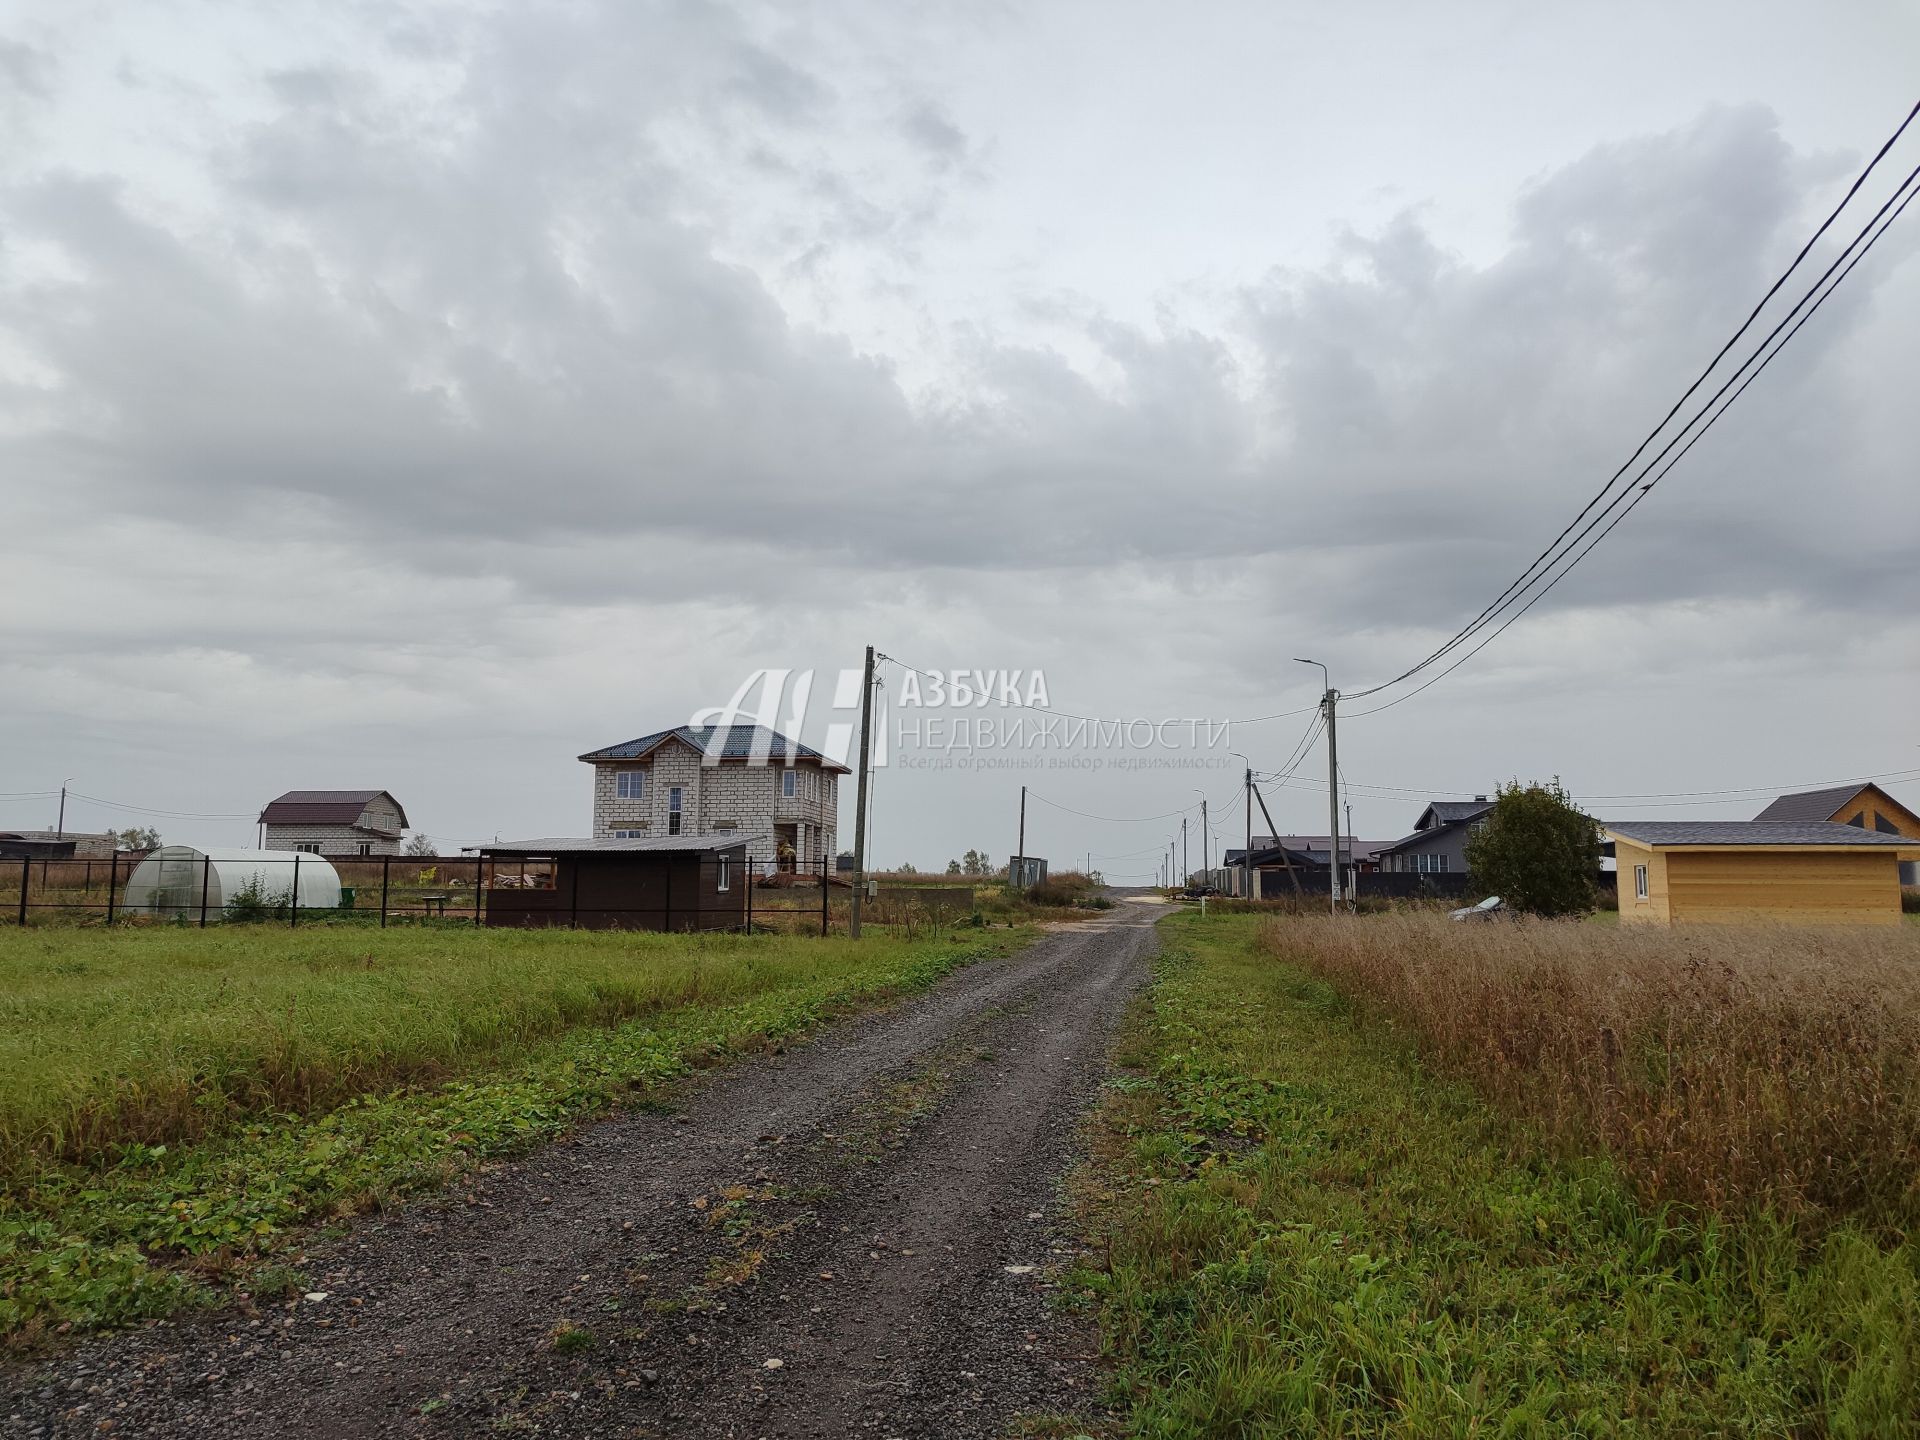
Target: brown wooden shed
[(666, 882)]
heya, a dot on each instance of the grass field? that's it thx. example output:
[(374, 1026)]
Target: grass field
[(173, 1103), (1306, 1230)]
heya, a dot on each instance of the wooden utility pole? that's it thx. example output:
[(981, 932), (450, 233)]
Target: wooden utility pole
[(860, 818), (1017, 872), (1285, 860), (1186, 853)]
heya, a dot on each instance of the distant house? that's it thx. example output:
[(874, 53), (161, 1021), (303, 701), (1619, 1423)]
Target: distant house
[(334, 822), (666, 882), (1438, 844), (781, 797), (1807, 871), (55, 845), (1304, 855), (1865, 807)]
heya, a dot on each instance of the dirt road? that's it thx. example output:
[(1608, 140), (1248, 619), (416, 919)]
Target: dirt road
[(848, 1239)]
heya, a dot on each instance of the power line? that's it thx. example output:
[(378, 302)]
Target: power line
[(1008, 702), (1033, 794), (170, 814), (1554, 552)]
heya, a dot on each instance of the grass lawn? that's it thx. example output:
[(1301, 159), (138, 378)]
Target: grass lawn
[(173, 1103), (1304, 1233)]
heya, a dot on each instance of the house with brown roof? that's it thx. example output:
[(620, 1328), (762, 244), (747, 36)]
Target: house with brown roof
[(334, 822), (1865, 807), (781, 797)]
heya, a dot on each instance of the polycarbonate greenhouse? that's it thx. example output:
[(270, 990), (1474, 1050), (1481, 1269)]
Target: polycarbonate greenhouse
[(173, 879)]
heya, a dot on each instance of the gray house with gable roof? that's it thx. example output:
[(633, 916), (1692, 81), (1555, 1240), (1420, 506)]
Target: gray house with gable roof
[(1438, 844)]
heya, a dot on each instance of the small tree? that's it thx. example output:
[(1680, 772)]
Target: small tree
[(975, 862), (421, 844), (138, 838), (1536, 850), (953, 867)]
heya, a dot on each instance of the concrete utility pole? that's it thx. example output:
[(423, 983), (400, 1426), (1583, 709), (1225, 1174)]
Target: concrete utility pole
[(60, 827), (1019, 876), (860, 819), (1329, 703), (1186, 854)]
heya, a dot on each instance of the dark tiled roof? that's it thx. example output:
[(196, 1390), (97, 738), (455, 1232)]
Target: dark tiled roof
[(739, 743), (324, 807), (1748, 832), (1452, 812), (651, 845), (1810, 804)]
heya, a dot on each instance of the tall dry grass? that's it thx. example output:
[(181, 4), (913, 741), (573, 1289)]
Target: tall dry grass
[(1721, 1069)]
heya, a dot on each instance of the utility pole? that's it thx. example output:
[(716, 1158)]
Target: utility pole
[(1329, 703), (860, 819), (1017, 877), (1205, 830), (1246, 857), (1186, 853), (60, 828)]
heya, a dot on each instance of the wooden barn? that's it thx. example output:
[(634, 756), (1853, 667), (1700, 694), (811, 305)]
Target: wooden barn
[(666, 882), (1748, 871)]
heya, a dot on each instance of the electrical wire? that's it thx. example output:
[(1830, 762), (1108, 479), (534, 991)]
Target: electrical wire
[(170, 814), (1554, 552), (1646, 489), (1033, 794), (1006, 703)]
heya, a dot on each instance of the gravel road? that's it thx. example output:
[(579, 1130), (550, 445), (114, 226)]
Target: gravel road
[(851, 1238)]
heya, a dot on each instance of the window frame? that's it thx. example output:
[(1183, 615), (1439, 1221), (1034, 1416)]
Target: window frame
[(723, 876), (1640, 889), (306, 847), (630, 785), (789, 784)]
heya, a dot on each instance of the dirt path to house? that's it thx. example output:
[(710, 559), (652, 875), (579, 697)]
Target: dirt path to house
[(849, 1239)]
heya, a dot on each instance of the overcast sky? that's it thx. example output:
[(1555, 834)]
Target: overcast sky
[(416, 396)]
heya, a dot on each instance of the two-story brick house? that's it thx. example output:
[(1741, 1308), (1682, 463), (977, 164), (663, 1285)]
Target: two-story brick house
[(334, 822), (781, 797)]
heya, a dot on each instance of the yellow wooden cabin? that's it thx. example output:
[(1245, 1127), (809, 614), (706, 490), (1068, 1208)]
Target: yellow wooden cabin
[(1746, 871), (1865, 807)]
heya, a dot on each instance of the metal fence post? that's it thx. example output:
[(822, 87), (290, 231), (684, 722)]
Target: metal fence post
[(666, 923), (573, 893), (749, 870), (479, 874), (386, 875), (293, 918), (206, 880), (113, 884), (823, 891), (26, 876)]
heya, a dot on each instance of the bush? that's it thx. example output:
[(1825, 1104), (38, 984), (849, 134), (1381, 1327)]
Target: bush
[(1537, 851), (1910, 901)]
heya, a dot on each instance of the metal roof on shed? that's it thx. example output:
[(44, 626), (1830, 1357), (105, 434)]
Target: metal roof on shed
[(1749, 832), (1811, 804), (651, 845)]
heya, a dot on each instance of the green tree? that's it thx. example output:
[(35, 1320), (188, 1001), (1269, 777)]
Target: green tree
[(137, 838), (420, 844), (1536, 850), (975, 862), (953, 867)]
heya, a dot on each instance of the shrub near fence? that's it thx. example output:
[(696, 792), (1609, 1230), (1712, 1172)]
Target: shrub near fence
[(1721, 1069)]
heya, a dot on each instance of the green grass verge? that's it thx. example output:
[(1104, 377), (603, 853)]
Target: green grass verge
[(1304, 1234), (509, 1040)]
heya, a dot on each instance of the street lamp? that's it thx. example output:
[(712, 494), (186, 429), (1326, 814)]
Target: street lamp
[(1327, 705)]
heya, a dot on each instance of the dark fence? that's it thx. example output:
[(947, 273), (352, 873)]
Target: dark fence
[(603, 890)]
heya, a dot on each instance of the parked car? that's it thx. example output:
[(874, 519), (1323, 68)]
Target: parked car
[(1487, 909)]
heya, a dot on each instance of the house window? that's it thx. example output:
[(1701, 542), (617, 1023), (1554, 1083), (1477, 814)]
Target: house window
[(789, 784), (673, 810), (629, 834), (1639, 882), (308, 847), (630, 785), (366, 847), (1859, 822), (724, 875)]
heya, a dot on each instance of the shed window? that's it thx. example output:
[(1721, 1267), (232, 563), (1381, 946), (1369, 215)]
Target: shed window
[(789, 783), (1639, 882), (723, 876), (630, 785)]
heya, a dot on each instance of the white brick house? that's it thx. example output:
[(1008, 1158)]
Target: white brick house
[(334, 822), (781, 797)]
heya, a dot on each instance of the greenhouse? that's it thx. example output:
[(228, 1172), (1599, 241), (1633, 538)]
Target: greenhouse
[(179, 879)]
